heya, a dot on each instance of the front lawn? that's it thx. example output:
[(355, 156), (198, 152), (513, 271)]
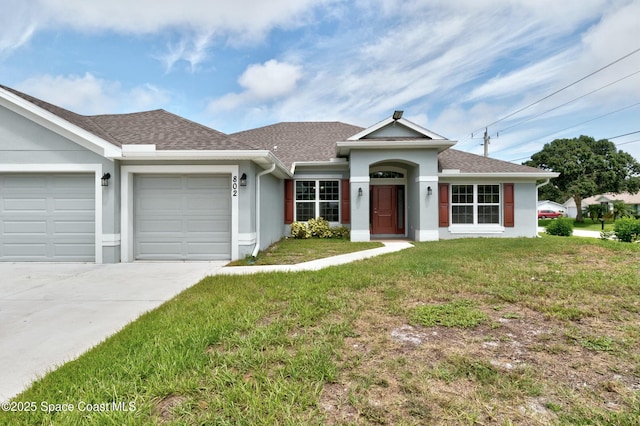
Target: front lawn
[(475, 331), (290, 251)]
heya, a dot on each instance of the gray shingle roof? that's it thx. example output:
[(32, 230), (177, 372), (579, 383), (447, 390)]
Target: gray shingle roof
[(289, 141), (159, 127), (472, 163), (300, 141)]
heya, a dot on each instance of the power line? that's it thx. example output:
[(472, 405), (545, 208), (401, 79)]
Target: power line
[(572, 100), (626, 134), (576, 125), (559, 90)]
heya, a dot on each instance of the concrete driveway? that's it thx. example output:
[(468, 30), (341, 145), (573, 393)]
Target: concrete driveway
[(51, 313)]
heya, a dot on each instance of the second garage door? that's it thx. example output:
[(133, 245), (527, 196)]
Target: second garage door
[(182, 217)]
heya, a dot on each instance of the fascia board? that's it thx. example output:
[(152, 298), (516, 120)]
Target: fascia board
[(343, 148), (420, 129), (59, 125), (199, 154), (522, 175)]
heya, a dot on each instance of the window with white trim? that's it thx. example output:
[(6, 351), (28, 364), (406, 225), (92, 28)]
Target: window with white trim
[(317, 198), (475, 204)]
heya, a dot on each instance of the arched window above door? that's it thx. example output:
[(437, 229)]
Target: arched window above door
[(386, 174)]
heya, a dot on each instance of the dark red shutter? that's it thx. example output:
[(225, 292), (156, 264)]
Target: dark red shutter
[(288, 201), (443, 204), (346, 201), (509, 211)]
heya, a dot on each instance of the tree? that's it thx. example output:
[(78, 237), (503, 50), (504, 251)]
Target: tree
[(620, 209), (588, 167)]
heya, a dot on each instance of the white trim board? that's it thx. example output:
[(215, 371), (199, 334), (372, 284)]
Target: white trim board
[(126, 199)]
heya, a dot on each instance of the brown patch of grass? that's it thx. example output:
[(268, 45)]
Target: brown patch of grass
[(163, 409)]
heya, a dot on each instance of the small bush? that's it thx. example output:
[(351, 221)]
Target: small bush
[(562, 227), (300, 230), (319, 228), (627, 229), (341, 232)]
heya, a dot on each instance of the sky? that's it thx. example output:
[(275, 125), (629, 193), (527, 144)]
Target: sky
[(530, 71)]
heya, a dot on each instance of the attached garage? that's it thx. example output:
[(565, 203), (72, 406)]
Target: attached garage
[(181, 217), (47, 217)]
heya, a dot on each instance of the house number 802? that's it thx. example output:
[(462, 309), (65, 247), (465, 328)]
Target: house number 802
[(234, 186)]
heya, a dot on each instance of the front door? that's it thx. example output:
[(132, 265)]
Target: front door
[(384, 215)]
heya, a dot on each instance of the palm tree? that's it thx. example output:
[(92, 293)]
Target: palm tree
[(620, 209)]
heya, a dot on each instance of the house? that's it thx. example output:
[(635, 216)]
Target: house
[(631, 200), (155, 186), (551, 205)]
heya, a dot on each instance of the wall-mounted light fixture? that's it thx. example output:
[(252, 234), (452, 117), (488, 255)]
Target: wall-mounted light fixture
[(359, 192), (105, 179), (429, 190), (397, 115), (243, 180)]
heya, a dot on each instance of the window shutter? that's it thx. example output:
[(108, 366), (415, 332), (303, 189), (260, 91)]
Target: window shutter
[(443, 204), (288, 201), (509, 210), (346, 201)]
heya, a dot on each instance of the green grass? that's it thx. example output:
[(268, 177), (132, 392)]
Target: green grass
[(559, 345), (290, 251), (459, 313)]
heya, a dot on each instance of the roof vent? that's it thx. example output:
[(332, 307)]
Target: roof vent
[(397, 115)]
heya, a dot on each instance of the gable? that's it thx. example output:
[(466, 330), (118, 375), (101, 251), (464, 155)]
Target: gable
[(22, 139)]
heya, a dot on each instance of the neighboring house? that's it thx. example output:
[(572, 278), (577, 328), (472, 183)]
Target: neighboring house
[(551, 205), (155, 186), (631, 200)]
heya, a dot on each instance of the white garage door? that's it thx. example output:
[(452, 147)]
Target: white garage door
[(182, 217), (47, 217)]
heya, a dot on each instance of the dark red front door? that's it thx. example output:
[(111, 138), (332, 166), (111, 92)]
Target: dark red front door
[(384, 217)]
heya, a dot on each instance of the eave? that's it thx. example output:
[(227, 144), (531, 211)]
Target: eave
[(344, 148), (263, 158)]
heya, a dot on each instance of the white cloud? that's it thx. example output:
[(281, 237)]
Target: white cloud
[(17, 27), (89, 95), (197, 22), (262, 82)]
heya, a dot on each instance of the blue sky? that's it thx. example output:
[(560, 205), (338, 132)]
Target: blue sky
[(453, 66)]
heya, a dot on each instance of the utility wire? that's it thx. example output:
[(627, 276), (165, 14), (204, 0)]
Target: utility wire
[(576, 125), (567, 103), (559, 90)]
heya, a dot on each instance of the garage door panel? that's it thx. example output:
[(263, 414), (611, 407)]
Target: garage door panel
[(77, 228), (17, 205), (189, 220), (47, 217), (15, 252), (74, 204), (24, 227)]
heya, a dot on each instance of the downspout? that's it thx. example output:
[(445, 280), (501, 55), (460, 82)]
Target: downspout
[(258, 176), (538, 187)]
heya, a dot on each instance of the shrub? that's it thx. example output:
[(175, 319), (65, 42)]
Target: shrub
[(627, 229), (319, 228), (562, 226), (300, 230), (341, 232)]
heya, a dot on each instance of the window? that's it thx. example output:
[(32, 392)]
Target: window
[(316, 198), (386, 175), (475, 204)]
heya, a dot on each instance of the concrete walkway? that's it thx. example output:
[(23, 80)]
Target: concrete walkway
[(314, 265)]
